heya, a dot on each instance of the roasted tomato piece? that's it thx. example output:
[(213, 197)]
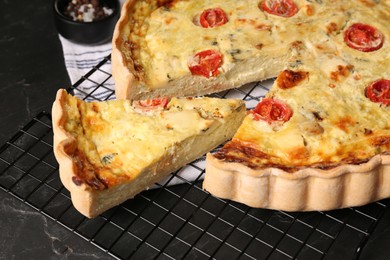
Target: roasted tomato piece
[(151, 104), (205, 63), (379, 92), (363, 37), (212, 18), (283, 8), (272, 110)]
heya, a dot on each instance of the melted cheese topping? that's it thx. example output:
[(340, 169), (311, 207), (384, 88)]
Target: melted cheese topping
[(167, 36), (332, 120), (236, 40), (117, 142)]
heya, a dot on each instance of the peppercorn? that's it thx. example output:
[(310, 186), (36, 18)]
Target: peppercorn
[(87, 10)]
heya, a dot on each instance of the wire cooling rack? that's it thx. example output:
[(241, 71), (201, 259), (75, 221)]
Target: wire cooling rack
[(179, 221)]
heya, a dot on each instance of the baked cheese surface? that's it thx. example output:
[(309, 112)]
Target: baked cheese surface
[(168, 36), (117, 140), (325, 56)]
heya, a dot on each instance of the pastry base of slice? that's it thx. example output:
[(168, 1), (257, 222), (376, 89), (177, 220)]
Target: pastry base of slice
[(90, 199), (305, 190)]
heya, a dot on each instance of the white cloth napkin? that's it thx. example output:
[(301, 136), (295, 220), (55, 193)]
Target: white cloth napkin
[(79, 60)]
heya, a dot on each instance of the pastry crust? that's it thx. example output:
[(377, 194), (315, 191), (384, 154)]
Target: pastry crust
[(122, 68), (94, 194), (132, 84), (308, 189)]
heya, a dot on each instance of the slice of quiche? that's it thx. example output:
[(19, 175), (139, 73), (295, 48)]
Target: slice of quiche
[(110, 151)]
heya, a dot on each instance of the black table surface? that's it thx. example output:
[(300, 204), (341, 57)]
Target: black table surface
[(32, 70)]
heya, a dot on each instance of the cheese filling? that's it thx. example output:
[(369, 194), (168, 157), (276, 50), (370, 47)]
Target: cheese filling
[(116, 142)]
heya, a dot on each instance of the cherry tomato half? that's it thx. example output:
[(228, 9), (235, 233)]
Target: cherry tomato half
[(213, 17), (272, 110), (379, 92), (151, 104), (205, 63), (363, 37), (283, 8)]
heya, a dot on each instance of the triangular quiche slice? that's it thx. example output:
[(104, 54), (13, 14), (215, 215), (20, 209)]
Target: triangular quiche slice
[(110, 151)]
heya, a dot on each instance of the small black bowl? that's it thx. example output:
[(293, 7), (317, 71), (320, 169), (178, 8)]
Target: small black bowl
[(89, 33)]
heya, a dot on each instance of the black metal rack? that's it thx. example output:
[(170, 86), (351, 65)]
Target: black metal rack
[(180, 221)]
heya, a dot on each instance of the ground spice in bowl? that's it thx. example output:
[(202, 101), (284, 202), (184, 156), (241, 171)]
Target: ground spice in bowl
[(87, 10), (89, 22)]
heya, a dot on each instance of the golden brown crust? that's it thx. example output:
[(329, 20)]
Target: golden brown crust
[(82, 195), (122, 68), (237, 151), (305, 190)]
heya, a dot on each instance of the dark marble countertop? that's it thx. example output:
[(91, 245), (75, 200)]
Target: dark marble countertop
[(32, 70)]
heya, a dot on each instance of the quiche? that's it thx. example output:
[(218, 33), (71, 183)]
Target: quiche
[(295, 153), (320, 139), (189, 48), (110, 151)]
